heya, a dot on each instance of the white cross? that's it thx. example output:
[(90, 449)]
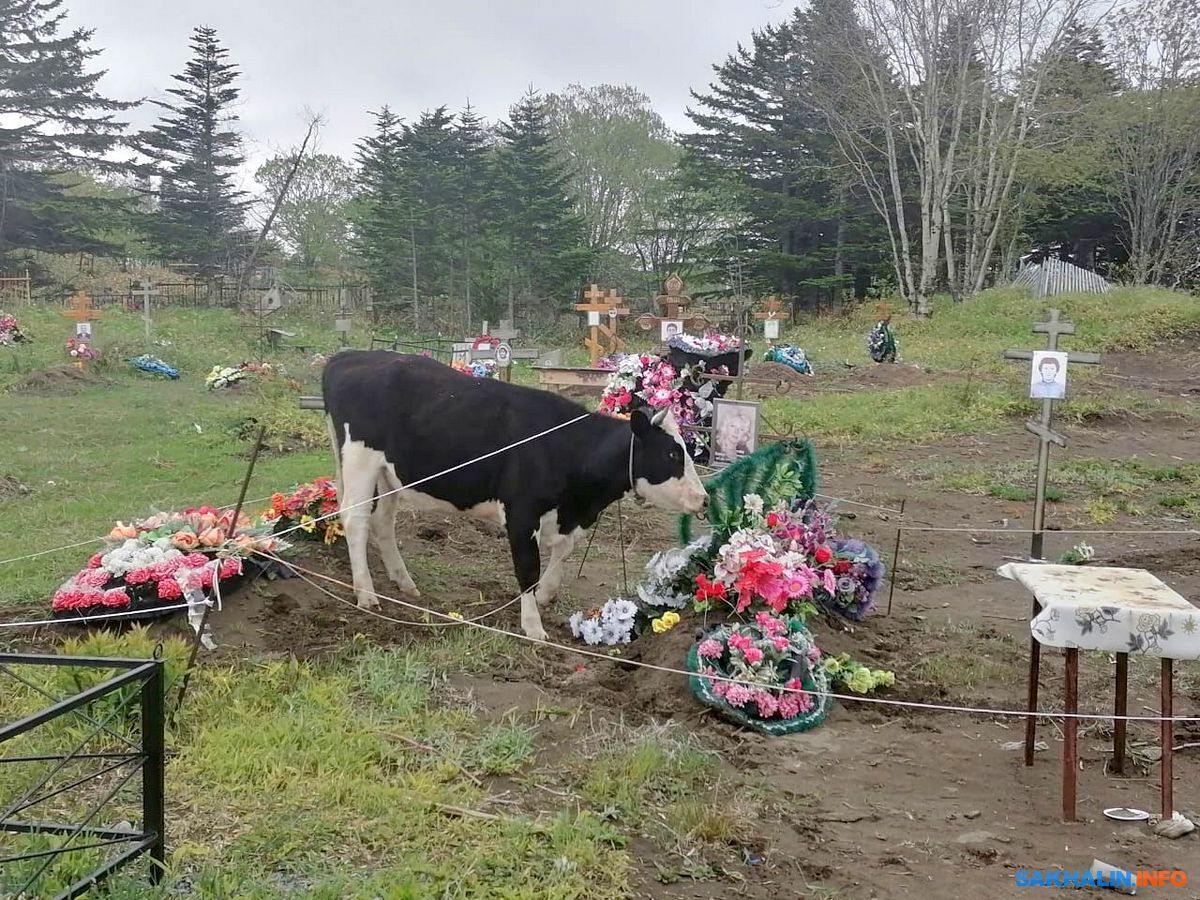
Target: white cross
[(146, 291)]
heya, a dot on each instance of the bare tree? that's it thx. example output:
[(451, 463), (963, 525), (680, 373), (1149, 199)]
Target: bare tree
[(1154, 133), (934, 106)]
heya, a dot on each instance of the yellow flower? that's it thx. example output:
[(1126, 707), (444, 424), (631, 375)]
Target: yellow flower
[(455, 615), (861, 681), (666, 622), (308, 523), (832, 665)]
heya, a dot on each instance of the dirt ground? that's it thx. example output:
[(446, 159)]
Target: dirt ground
[(878, 802)]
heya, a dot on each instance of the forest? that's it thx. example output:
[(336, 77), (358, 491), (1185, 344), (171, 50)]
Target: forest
[(859, 148)]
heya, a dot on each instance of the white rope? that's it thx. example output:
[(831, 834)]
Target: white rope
[(420, 481), (880, 701), (1047, 531), (85, 620)]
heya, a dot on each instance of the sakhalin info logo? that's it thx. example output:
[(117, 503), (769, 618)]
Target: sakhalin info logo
[(1109, 879)]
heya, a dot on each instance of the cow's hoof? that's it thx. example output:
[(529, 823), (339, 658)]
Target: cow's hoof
[(411, 592), (537, 634), (369, 604)]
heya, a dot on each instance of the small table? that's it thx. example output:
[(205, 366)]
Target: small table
[(1117, 610)]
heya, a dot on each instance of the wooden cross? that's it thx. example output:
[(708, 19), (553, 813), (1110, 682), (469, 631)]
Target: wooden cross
[(771, 312), (673, 303), (81, 308), (1053, 329), (602, 335), (145, 292)]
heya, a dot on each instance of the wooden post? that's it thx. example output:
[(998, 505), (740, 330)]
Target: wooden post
[(673, 305), (1120, 705), (1070, 729), (1167, 704)]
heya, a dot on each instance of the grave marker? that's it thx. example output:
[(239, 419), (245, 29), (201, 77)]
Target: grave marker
[(673, 304), (84, 315), (145, 291), (1053, 329), (771, 315), (602, 336)]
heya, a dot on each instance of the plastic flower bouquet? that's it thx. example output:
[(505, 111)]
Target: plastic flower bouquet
[(763, 674), (81, 350), (152, 563), (311, 507), (10, 331), (225, 376), (480, 368), (645, 380), (154, 366), (792, 357), (709, 344), (616, 622)]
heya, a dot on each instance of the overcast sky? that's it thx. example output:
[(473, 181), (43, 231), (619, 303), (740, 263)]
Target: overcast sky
[(343, 58)]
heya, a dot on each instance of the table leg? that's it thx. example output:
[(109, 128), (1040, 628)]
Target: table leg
[(1168, 740), (1120, 705), (1035, 664), (1070, 726)]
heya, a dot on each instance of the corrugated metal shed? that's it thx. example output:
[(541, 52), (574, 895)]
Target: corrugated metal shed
[(1053, 276)]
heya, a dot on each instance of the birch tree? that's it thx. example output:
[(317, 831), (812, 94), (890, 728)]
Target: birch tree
[(932, 111), (1154, 135)]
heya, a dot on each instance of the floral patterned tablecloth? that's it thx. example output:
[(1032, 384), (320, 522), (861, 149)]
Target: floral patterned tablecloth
[(1108, 608)]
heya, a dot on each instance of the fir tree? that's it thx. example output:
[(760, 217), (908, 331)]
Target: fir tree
[(380, 232), (52, 122), (545, 240), (195, 151), (760, 131)]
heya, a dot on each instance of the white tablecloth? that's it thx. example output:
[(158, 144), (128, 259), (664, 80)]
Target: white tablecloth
[(1108, 608)]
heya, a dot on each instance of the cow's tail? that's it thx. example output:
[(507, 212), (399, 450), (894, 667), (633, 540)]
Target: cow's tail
[(337, 453)]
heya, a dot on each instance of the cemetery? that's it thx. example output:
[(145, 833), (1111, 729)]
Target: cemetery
[(756, 460), (924, 513)]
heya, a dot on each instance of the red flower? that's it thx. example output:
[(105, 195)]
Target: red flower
[(169, 589), (842, 566), (230, 567), (709, 590), (139, 576), (94, 562), (195, 560), (116, 598), (822, 555), (772, 520)]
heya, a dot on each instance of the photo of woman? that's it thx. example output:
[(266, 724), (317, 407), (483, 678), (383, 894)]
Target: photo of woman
[(735, 430)]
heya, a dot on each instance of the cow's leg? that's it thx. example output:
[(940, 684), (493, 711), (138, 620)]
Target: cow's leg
[(527, 564), (560, 547), (360, 468), (383, 534)]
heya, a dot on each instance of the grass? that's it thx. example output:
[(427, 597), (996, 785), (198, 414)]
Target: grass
[(971, 335), (1105, 486), (286, 777), (964, 657)]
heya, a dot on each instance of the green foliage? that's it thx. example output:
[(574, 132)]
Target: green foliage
[(779, 471), (195, 154), (52, 113), (313, 219)]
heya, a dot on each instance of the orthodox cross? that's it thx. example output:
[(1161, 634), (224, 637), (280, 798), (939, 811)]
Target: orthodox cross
[(1053, 329), (673, 304), (145, 291), (602, 335), (81, 308), (771, 315)]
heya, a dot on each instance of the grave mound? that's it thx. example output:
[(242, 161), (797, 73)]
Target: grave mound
[(57, 380)]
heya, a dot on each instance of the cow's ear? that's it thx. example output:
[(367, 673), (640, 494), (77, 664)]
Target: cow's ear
[(640, 423)]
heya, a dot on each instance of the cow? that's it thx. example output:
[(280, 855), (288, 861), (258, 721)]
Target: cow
[(397, 419)]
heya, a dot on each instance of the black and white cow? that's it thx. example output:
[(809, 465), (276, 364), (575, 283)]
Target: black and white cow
[(396, 419)]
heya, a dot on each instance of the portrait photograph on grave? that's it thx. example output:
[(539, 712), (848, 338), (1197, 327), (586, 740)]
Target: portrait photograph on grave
[(83, 331), (1048, 375), (670, 328), (735, 430), (771, 329)]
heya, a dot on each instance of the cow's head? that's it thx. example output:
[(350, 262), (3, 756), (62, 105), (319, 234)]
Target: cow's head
[(662, 470)]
